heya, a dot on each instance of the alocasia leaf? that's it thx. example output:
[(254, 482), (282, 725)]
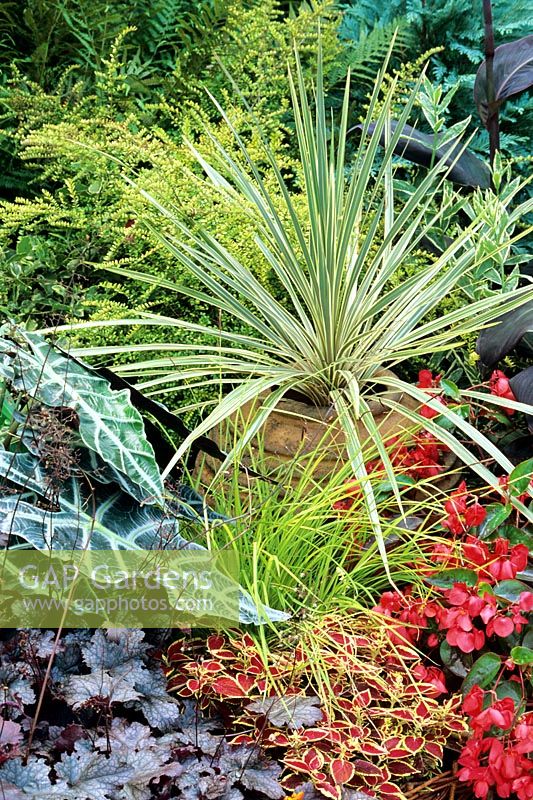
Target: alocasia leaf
[(193, 506), (86, 513), (91, 517), (108, 422), (425, 149), (24, 472), (95, 518), (249, 614), (513, 73)]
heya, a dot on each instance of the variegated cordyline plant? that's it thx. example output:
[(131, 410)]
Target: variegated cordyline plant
[(337, 260)]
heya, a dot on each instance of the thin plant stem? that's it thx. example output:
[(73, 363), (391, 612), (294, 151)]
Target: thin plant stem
[(493, 119)]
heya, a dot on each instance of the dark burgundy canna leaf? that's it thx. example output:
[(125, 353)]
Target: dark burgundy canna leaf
[(522, 386), (495, 342), (418, 147), (513, 73)]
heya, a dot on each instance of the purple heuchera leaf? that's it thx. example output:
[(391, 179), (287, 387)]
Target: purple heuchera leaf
[(104, 652), (91, 775), (15, 690), (33, 778), (265, 780), (162, 711), (10, 733), (199, 780)]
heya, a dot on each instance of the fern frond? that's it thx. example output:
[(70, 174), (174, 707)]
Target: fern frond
[(365, 56)]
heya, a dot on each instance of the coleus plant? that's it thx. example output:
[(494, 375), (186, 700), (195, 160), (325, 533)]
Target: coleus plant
[(384, 717), (77, 468)]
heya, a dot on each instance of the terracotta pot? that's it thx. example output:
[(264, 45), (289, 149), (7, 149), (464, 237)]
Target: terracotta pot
[(294, 431)]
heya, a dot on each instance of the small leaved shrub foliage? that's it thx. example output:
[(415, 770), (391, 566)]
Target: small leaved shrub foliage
[(68, 148)]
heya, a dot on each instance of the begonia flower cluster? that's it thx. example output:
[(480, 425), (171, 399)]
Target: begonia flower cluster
[(497, 757)]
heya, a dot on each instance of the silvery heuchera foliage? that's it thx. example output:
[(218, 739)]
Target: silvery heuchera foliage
[(77, 454), (121, 735)]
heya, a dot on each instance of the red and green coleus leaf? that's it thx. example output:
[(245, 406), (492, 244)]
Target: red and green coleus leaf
[(434, 749), (390, 790), (342, 771), (233, 687), (404, 747), (310, 761), (402, 769), (369, 748), (216, 642), (211, 666), (367, 768), (327, 789)]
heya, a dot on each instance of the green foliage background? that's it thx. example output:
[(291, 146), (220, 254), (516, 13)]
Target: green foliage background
[(95, 90), (456, 27), (65, 149)]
